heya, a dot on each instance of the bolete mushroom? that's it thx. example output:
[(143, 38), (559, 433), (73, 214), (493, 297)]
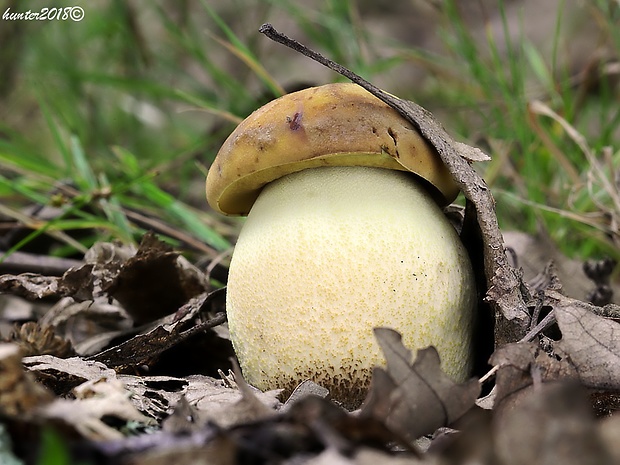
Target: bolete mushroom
[(344, 233)]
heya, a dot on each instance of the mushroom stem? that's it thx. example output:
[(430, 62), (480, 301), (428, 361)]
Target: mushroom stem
[(329, 253)]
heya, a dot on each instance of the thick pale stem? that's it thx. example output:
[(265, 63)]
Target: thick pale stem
[(327, 254)]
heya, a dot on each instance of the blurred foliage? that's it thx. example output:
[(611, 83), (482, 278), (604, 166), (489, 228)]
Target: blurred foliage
[(108, 125)]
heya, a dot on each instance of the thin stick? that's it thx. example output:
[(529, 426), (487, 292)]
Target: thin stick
[(537, 309), (540, 327), (490, 373), (23, 262), (283, 39)]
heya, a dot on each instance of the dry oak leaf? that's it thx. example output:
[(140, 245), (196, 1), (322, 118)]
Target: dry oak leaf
[(518, 363), (96, 400), (145, 348), (156, 281), (210, 400), (29, 285), (416, 398), (227, 406), (592, 342), (64, 374)]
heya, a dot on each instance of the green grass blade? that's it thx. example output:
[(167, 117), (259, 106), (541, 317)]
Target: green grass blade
[(184, 214), (85, 178)]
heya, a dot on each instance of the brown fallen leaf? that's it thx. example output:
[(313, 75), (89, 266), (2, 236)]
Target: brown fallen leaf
[(30, 286), (204, 424), (336, 428), (312, 425), (211, 400), (89, 325), (145, 349), (62, 375), (105, 261), (472, 443), (149, 282), (251, 406), (20, 395), (416, 398), (552, 423), (183, 419), (304, 389), (158, 396), (95, 401), (590, 341), (521, 364), (156, 281), (37, 339), (227, 407), (543, 424)]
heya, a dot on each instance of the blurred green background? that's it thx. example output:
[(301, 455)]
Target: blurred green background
[(108, 124)]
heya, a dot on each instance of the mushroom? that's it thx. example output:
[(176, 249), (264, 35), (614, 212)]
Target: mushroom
[(344, 233)]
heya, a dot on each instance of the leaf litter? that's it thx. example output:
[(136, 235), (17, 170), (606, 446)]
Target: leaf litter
[(129, 363)]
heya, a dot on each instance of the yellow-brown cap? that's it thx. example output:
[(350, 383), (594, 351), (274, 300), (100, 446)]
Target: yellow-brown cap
[(330, 125)]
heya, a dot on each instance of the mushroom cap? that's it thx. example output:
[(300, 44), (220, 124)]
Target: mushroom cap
[(330, 125)]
